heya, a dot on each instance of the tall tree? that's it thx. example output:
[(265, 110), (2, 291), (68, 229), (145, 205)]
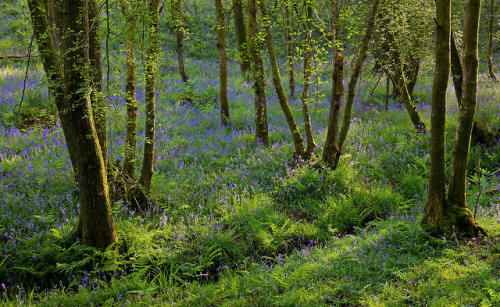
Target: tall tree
[(456, 212), (221, 47), (129, 9), (289, 49), (69, 83), (491, 24), (346, 121), (151, 76), (304, 97), (280, 91), (241, 34), (257, 71), (434, 211), (178, 22), (331, 151)]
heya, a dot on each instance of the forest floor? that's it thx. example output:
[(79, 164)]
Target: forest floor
[(232, 223)]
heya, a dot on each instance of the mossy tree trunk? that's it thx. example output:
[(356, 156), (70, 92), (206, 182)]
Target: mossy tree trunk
[(280, 91), (178, 20), (331, 151), (491, 23), (96, 95), (304, 97), (71, 91), (363, 48), (241, 35), (130, 91), (221, 47), (151, 75), (289, 49), (257, 71), (461, 217), (435, 207)]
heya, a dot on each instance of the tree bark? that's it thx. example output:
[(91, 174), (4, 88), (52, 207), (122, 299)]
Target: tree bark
[(304, 97), (355, 74), (463, 219), (241, 35), (96, 95), (151, 75), (257, 70), (491, 73), (71, 92), (280, 91), (221, 46), (178, 20), (289, 50), (435, 206), (130, 93)]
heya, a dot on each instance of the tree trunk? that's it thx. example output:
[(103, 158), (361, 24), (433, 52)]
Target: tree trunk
[(435, 207), (71, 92), (257, 70), (151, 75), (280, 91), (491, 73), (289, 50), (462, 218), (221, 46), (355, 74), (130, 93), (241, 35), (96, 95), (304, 97), (331, 151), (178, 20), (480, 133)]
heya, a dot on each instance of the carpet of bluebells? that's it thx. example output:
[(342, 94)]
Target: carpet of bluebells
[(232, 221)]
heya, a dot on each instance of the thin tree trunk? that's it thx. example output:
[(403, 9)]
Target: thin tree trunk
[(221, 46), (355, 74), (241, 35), (436, 202), (491, 73), (289, 50), (179, 33), (96, 96), (463, 218), (331, 151), (151, 75), (130, 93), (280, 91), (71, 92), (387, 87), (456, 69), (311, 145), (257, 69)]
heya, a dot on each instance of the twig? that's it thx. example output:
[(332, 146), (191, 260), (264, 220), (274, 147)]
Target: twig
[(25, 75), (480, 189)]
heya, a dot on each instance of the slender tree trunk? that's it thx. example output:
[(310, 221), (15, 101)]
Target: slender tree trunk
[(331, 151), (221, 46), (96, 96), (151, 75), (435, 206), (480, 133), (491, 73), (257, 70), (241, 35), (311, 145), (355, 74), (289, 50), (280, 91), (71, 92), (463, 219), (179, 33), (387, 87), (130, 93)]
